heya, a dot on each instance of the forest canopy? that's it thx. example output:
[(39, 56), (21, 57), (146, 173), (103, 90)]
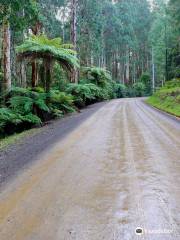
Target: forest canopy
[(122, 36)]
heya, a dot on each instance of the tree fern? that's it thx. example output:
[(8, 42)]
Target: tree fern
[(12, 118), (61, 101), (42, 47), (25, 104)]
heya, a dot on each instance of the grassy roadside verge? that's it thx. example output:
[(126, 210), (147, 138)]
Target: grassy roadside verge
[(18, 137), (167, 98)]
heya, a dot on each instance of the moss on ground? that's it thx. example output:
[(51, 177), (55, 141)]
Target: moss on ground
[(167, 98)]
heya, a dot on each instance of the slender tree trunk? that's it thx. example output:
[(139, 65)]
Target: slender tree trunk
[(6, 57), (34, 73), (116, 68), (99, 62), (48, 66), (92, 59), (153, 72), (42, 74), (74, 75), (63, 23), (23, 74), (36, 29), (120, 77), (127, 66)]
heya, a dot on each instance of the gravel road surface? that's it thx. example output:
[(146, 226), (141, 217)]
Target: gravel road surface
[(97, 175)]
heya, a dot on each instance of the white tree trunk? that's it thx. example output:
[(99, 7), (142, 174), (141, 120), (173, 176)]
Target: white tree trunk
[(6, 57), (153, 72), (23, 74), (74, 76), (127, 65)]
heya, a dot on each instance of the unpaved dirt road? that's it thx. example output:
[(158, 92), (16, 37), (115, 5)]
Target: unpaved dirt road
[(116, 171)]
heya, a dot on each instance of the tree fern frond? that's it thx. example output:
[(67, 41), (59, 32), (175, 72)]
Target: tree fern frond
[(42, 47)]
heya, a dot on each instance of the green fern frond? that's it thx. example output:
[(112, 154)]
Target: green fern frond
[(42, 47), (21, 104), (31, 118)]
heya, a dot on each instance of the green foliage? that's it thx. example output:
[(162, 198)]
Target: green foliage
[(47, 12), (90, 26), (131, 92), (98, 76), (164, 39), (43, 47), (25, 100), (109, 90), (60, 78), (25, 108), (136, 90), (174, 10), (139, 88), (112, 34), (102, 79), (7, 115), (86, 93), (168, 98), (146, 80), (175, 83), (38, 90), (22, 109), (60, 103), (120, 90), (9, 118), (25, 105), (20, 14), (81, 92), (116, 27)]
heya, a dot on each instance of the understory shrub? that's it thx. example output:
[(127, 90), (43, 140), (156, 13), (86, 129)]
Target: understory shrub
[(24, 108), (60, 103), (167, 98), (83, 93), (146, 80), (102, 79), (139, 89), (12, 121), (120, 90)]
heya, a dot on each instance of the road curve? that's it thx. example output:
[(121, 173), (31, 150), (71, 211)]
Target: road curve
[(118, 170)]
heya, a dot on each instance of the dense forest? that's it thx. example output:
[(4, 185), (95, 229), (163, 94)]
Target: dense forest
[(61, 55)]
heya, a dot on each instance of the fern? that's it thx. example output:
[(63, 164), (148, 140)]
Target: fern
[(24, 105), (42, 47), (82, 93), (31, 118), (7, 115), (61, 101), (57, 113), (98, 75)]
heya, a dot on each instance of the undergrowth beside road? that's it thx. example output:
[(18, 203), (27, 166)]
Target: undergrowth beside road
[(17, 137), (26, 108), (167, 98)]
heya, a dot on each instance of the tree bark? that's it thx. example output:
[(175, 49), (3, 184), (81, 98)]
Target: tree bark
[(127, 66), (48, 66), (6, 57), (74, 75), (34, 73), (36, 29), (23, 75)]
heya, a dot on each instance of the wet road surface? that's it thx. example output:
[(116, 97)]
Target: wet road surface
[(118, 170)]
